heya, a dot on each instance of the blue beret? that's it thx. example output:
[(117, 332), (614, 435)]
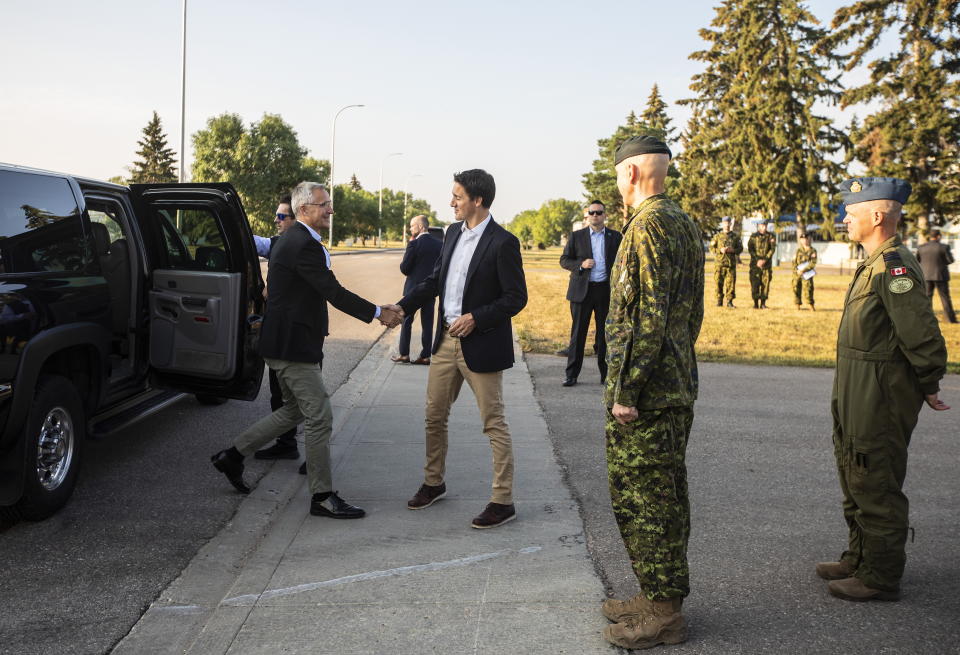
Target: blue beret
[(862, 189)]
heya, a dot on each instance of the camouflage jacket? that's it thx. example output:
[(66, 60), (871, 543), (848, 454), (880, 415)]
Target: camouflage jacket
[(721, 241), (803, 256), (656, 308), (762, 246)]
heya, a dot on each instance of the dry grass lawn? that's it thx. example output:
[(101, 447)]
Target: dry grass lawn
[(779, 335)]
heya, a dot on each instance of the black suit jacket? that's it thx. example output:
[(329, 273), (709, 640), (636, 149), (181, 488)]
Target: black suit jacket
[(299, 286), (495, 291), (934, 258), (577, 249), (419, 259)]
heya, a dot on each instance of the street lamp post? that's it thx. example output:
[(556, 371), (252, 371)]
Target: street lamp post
[(380, 206), (333, 145), (405, 183), (183, 92)]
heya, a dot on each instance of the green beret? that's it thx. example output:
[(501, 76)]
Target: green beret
[(862, 189), (640, 145)]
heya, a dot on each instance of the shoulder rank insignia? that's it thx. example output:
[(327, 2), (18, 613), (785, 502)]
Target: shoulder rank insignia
[(900, 285)]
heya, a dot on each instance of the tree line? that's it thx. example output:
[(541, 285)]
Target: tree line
[(757, 143), (263, 161)]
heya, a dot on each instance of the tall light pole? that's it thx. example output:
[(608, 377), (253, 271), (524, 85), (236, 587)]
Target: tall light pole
[(380, 206), (183, 91), (333, 145), (405, 183)]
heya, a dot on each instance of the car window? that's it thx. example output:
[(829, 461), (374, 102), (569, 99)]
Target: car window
[(193, 239), (40, 225)]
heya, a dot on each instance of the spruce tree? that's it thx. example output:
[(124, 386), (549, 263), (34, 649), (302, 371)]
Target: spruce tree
[(914, 134), (355, 183), (157, 162), (767, 150), (655, 114)]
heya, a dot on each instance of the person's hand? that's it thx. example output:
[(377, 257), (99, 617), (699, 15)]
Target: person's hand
[(463, 326), (391, 315), (624, 414), (728, 249), (761, 262), (935, 402), (588, 264)]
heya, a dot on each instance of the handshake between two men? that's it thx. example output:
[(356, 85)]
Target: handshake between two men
[(392, 315)]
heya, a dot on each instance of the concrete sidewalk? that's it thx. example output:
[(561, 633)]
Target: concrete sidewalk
[(279, 580)]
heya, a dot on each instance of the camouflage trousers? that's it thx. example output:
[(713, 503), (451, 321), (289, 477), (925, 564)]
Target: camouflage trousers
[(760, 282), (726, 278), (802, 286), (646, 465)]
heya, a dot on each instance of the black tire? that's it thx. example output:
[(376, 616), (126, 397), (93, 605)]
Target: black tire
[(205, 399), (54, 437)]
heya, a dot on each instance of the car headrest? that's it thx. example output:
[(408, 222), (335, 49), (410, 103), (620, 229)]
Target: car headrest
[(101, 238)]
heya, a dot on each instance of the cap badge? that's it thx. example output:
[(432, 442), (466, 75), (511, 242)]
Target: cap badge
[(856, 187)]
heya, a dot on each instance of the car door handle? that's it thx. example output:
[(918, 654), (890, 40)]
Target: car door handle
[(189, 301)]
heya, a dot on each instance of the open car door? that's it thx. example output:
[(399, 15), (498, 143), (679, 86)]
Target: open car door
[(205, 290)]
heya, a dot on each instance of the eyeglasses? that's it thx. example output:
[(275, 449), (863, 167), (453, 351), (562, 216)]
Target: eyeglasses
[(325, 203), (282, 217), (599, 212)]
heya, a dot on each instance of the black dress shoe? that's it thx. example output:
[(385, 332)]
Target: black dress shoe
[(232, 467), (569, 382), (333, 506), (278, 451)]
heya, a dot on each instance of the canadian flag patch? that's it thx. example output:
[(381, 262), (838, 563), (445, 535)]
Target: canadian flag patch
[(898, 270)]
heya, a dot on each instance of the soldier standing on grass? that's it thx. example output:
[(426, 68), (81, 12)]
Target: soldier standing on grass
[(656, 308), (804, 261), (726, 248), (762, 245), (890, 359)]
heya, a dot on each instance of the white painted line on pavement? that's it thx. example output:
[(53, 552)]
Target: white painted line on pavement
[(249, 599)]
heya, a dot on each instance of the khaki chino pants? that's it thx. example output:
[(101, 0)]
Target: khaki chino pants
[(448, 370), (305, 399)]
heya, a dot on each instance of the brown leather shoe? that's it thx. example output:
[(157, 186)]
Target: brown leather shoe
[(494, 514), (398, 359), (621, 611), (835, 570), (425, 361), (662, 626), (854, 589), (427, 495)]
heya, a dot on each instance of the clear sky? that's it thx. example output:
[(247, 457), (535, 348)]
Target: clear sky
[(522, 89)]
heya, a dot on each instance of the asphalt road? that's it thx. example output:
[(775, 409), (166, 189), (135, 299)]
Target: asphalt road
[(766, 507), (147, 500)]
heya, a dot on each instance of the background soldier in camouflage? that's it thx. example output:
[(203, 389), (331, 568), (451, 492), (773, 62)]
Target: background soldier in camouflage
[(806, 254), (762, 246), (656, 308), (890, 359), (726, 247)]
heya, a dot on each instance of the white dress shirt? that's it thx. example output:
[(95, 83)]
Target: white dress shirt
[(457, 271)]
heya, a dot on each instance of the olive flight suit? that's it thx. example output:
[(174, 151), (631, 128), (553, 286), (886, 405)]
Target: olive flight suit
[(890, 353), (761, 246), (725, 264), (806, 256)]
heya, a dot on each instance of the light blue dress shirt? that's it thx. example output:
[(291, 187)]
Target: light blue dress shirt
[(597, 243)]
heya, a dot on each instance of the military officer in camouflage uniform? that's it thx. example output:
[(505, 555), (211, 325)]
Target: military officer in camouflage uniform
[(656, 308), (806, 256), (890, 358), (761, 245), (726, 247)]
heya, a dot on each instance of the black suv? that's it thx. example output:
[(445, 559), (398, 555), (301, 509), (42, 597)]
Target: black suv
[(114, 301)]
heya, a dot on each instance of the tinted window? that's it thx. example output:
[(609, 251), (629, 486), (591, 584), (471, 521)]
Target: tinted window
[(40, 225), (192, 239)]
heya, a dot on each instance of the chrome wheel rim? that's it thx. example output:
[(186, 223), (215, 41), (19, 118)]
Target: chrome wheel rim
[(55, 448)]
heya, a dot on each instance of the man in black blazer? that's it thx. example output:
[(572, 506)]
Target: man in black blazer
[(299, 286), (418, 262), (479, 278), (589, 256), (934, 258)]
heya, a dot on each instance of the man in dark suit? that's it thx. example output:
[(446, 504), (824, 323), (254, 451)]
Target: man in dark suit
[(479, 278), (589, 255), (934, 258), (418, 262), (299, 286)]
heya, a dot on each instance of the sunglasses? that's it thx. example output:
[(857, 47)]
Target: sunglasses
[(596, 213), (282, 217)]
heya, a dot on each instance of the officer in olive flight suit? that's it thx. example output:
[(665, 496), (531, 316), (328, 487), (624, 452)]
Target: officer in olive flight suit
[(805, 256), (762, 246), (726, 247), (890, 359)]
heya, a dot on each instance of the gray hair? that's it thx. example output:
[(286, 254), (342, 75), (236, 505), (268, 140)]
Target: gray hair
[(302, 194)]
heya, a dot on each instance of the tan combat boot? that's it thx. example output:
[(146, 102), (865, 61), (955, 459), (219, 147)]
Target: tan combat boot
[(661, 626), (835, 570), (855, 589), (619, 611)]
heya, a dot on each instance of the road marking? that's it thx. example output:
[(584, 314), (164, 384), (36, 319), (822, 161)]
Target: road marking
[(248, 599)]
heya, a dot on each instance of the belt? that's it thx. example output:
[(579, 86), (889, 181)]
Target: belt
[(597, 284), (851, 353)]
